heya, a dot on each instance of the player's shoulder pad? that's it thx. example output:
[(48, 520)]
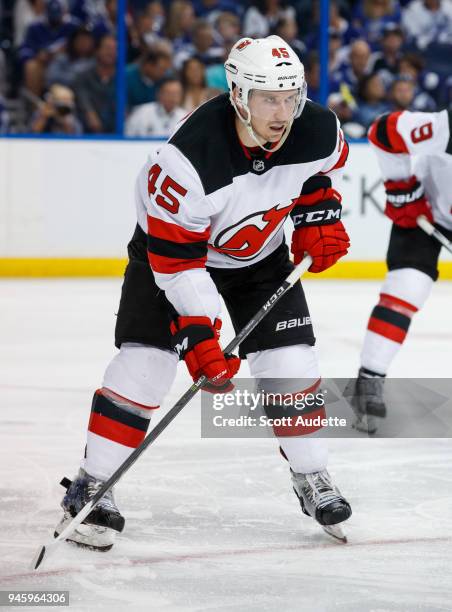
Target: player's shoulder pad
[(384, 135), (204, 140), (314, 134)]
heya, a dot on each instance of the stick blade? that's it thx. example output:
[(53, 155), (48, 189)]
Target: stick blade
[(38, 558)]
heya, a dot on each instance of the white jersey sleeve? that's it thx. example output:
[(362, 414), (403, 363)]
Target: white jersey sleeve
[(178, 228), (399, 136), (334, 164), (321, 192)]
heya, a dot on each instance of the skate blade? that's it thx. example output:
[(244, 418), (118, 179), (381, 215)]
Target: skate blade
[(92, 537), (336, 532)]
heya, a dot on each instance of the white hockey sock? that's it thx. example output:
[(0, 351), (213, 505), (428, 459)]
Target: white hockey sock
[(293, 370), (116, 427), (135, 383), (402, 294), (305, 454)]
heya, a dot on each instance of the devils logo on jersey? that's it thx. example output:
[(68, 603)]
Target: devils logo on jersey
[(246, 239)]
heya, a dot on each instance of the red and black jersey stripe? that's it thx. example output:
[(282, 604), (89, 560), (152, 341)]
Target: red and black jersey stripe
[(172, 248), (384, 135)]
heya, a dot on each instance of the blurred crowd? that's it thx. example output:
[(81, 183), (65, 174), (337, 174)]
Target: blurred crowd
[(58, 59)]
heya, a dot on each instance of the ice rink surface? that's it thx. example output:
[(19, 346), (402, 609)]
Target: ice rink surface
[(213, 524)]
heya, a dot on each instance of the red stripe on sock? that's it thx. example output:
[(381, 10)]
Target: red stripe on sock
[(112, 395), (392, 332), (114, 431), (292, 429), (298, 395), (395, 303)]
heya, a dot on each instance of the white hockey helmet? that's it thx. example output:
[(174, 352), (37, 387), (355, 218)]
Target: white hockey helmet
[(268, 64)]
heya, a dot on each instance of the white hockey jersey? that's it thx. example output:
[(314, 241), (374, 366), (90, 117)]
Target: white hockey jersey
[(409, 143), (205, 200)]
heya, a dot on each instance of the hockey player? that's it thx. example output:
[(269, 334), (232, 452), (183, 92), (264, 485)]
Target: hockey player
[(414, 151), (211, 206)]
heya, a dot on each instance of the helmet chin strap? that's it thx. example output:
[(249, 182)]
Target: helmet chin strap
[(247, 123)]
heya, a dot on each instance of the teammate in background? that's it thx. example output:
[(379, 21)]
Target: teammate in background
[(414, 151), (211, 205)]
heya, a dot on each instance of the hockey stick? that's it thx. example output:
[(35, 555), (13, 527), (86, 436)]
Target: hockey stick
[(431, 230), (50, 546)]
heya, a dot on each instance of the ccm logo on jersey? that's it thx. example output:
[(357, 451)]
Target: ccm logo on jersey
[(293, 323), (316, 216)]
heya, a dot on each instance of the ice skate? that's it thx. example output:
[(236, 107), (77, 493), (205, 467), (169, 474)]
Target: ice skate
[(322, 501), (367, 402), (99, 529)]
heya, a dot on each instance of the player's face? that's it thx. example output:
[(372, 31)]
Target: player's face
[(271, 112)]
